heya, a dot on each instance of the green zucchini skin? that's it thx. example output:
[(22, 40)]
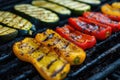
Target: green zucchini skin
[(16, 22), (92, 4), (8, 34), (73, 8), (40, 22), (62, 12)]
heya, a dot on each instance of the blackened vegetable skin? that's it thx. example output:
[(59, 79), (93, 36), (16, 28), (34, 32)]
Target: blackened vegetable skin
[(103, 19), (93, 28), (80, 39)]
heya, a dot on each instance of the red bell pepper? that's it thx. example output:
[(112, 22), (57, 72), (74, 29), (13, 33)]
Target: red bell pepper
[(116, 18), (99, 17), (87, 26), (80, 39)]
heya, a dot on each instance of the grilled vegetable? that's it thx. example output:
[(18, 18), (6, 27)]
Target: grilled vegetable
[(61, 11), (73, 54), (80, 39), (7, 34), (17, 22), (87, 26), (43, 16), (116, 5), (91, 2), (76, 7), (109, 10), (115, 18), (45, 60), (101, 18)]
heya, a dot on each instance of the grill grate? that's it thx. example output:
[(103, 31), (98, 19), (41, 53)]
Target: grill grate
[(104, 58)]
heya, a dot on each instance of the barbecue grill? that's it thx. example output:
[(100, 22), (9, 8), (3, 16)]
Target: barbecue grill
[(102, 62)]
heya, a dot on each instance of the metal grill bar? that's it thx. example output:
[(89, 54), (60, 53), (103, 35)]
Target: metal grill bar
[(95, 61)]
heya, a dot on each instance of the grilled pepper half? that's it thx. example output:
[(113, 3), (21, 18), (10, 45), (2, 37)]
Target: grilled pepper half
[(80, 39), (87, 26), (116, 5), (14, 21), (7, 33), (61, 11), (109, 10), (45, 60), (101, 18), (76, 7), (70, 52), (40, 15)]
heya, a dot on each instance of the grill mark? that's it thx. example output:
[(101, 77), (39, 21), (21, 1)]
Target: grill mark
[(5, 16), (40, 57), (6, 31), (24, 24), (49, 37), (3, 28), (65, 46), (10, 17), (19, 20), (50, 64), (11, 22), (56, 72), (33, 50), (56, 41)]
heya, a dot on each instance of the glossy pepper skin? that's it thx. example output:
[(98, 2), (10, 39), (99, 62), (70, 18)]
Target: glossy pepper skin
[(93, 28), (67, 50), (82, 40), (109, 10), (116, 5), (101, 18), (45, 60), (112, 17)]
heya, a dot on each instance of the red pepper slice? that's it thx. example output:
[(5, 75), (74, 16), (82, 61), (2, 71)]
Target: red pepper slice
[(80, 39), (87, 26), (116, 18), (99, 17)]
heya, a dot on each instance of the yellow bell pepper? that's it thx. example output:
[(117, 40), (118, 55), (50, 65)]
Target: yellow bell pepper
[(70, 52), (109, 10), (116, 5), (45, 60)]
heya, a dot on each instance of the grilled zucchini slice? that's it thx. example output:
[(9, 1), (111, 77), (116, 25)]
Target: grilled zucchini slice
[(14, 21), (45, 17), (76, 7), (73, 54), (7, 34), (61, 11), (91, 2), (45, 60)]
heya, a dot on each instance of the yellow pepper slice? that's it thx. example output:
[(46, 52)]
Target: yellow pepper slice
[(45, 60), (70, 52), (109, 10), (116, 5)]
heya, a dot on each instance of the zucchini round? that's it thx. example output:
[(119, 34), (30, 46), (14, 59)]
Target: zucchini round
[(43, 16), (61, 11)]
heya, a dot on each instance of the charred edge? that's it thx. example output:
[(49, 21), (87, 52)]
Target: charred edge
[(40, 57), (56, 72), (56, 41), (65, 46), (49, 37), (33, 50), (50, 64)]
